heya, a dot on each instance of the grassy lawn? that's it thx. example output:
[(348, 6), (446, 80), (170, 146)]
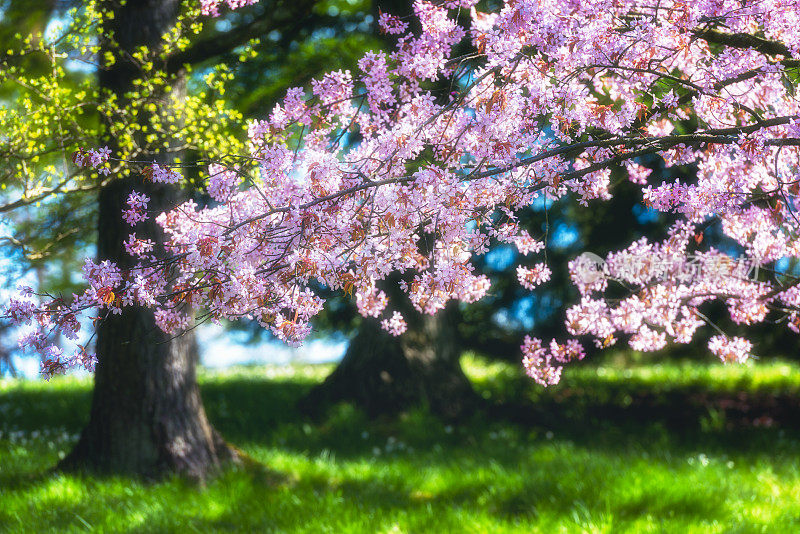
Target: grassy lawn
[(671, 448)]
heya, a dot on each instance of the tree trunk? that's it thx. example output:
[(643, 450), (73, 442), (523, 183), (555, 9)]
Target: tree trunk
[(147, 417), (384, 374)]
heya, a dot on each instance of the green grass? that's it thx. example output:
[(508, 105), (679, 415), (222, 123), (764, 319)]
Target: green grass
[(610, 456)]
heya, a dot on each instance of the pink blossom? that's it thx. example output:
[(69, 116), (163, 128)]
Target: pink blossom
[(395, 325), (163, 175), (138, 247), (371, 302), (391, 24), (637, 173), (137, 206), (730, 350), (93, 158), (538, 363), (526, 244), (20, 311), (172, 321), (211, 7), (222, 182), (530, 278)]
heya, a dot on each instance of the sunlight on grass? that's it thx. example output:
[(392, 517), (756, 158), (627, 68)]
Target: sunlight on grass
[(751, 376), (585, 472)]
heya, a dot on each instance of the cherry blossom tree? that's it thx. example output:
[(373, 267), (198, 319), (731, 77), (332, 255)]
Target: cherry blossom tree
[(557, 95), (146, 78)]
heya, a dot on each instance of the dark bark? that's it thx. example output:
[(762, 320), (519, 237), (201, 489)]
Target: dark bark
[(147, 417), (384, 374)]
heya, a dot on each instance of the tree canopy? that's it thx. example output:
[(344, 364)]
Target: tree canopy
[(370, 173)]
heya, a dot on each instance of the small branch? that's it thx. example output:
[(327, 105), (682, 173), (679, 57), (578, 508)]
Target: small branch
[(745, 41)]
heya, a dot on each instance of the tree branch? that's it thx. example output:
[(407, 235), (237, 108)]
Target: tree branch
[(745, 40), (225, 42)]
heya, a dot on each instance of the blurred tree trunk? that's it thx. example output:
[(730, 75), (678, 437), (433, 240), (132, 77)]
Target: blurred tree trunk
[(384, 374), (147, 417)]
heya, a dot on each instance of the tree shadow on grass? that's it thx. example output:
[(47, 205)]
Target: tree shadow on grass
[(35, 409), (249, 409), (18, 480), (524, 503), (263, 412)]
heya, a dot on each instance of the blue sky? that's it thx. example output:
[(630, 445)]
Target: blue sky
[(221, 348)]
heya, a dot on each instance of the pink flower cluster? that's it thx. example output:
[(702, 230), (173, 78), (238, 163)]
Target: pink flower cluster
[(391, 24), (222, 182), (137, 206), (395, 325), (730, 350), (139, 248), (163, 175), (56, 316), (211, 7), (530, 278), (94, 158), (544, 365), (371, 302)]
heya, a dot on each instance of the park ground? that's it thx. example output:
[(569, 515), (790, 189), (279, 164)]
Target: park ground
[(672, 447)]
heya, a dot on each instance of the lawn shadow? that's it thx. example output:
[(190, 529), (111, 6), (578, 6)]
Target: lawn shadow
[(263, 412), (37, 408), (20, 480)]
